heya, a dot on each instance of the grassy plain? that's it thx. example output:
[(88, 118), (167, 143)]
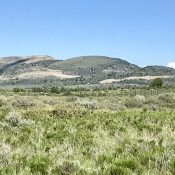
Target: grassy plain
[(87, 133)]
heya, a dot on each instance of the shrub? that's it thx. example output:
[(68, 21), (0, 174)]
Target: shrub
[(123, 167), (39, 165), (18, 90), (23, 102), (114, 170), (117, 106), (154, 107), (172, 166), (168, 98), (3, 101), (136, 102), (66, 168), (13, 119), (3, 113), (140, 98), (5, 152), (38, 89), (132, 103), (50, 101), (127, 163), (157, 82), (68, 111), (87, 104), (54, 90)]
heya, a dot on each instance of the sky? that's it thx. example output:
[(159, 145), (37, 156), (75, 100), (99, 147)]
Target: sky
[(139, 31)]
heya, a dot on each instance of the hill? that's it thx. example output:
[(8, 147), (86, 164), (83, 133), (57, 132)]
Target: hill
[(46, 70), (13, 65)]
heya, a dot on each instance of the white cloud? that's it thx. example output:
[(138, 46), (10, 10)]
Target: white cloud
[(172, 64)]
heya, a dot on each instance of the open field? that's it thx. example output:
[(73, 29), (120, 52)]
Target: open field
[(90, 132)]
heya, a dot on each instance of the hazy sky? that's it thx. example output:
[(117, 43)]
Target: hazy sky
[(140, 31)]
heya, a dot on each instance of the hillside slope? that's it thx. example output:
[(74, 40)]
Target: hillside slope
[(78, 70)]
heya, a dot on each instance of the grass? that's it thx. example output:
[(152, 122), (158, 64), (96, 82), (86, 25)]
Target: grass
[(91, 135)]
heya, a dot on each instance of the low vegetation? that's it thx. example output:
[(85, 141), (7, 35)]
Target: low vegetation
[(87, 131)]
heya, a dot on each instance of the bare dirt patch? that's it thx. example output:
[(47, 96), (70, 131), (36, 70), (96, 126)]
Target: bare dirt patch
[(108, 81)]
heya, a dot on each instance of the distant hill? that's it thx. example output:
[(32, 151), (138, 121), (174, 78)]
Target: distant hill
[(13, 59), (43, 70), (13, 65)]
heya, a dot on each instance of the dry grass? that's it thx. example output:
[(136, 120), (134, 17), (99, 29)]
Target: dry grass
[(108, 81), (35, 74)]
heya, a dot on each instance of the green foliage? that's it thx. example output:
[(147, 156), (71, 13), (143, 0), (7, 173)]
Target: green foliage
[(130, 164), (54, 90), (123, 167), (38, 89), (172, 165), (157, 82), (39, 165), (115, 170), (18, 90)]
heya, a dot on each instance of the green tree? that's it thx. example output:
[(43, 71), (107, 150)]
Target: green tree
[(157, 82)]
